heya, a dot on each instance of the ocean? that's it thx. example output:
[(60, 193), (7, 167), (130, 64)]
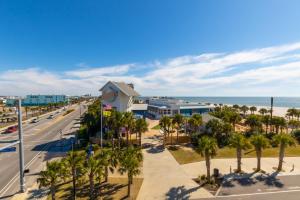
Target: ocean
[(287, 102)]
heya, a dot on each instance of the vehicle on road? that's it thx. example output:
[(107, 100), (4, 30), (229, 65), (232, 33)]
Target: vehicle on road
[(35, 120), (50, 117), (11, 129)]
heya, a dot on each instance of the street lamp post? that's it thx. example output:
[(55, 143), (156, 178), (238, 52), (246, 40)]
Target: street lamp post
[(21, 148)]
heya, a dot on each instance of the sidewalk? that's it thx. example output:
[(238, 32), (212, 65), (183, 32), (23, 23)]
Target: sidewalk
[(248, 164), (163, 176)]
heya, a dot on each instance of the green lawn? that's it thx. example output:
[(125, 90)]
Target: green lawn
[(157, 127), (184, 156)]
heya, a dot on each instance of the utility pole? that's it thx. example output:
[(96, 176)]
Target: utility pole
[(21, 149)]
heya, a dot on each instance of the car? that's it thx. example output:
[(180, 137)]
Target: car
[(11, 129), (50, 117), (35, 120)]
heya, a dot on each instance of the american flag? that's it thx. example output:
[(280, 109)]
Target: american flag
[(107, 107)]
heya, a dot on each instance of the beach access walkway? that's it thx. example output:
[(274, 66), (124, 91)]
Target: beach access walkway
[(163, 176)]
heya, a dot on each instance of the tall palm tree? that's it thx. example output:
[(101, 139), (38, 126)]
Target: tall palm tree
[(141, 127), (130, 160), (92, 167), (50, 177), (283, 140), (263, 111), (207, 147), (109, 159), (239, 142), (128, 123), (253, 109), (165, 123), (260, 142), (73, 164), (177, 122)]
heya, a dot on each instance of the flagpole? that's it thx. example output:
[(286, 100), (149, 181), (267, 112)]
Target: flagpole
[(101, 124)]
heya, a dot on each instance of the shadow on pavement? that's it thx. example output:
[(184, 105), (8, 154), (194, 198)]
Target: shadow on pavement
[(156, 149), (176, 193)]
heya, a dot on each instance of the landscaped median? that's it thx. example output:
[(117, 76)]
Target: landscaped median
[(185, 155), (68, 111)]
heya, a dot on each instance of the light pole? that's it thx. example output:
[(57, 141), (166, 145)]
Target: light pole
[(21, 149)]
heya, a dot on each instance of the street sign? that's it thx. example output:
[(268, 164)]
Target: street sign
[(8, 149)]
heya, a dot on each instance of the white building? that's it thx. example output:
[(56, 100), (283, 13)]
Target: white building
[(119, 95)]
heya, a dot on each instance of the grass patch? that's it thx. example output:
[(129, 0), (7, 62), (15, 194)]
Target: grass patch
[(184, 156), (68, 111), (115, 188), (157, 127)]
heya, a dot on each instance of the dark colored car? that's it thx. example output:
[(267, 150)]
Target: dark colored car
[(11, 129)]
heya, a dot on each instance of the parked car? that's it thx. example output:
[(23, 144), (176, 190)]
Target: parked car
[(11, 129), (35, 120), (50, 117)]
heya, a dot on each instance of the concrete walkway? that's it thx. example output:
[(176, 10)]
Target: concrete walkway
[(291, 166), (163, 176)]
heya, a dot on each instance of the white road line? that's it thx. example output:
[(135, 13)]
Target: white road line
[(258, 193)]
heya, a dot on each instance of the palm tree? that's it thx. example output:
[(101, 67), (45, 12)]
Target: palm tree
[(234, 118), (207, 147), (50, 177), (141, 127), (279, 123), (244, 109), (92, 167), (254, 122), (263, 111), (73, 164), (177, 121), (292, 112), (128, 123), (260, 142), (195, 122), (109, 159), (130, 160), (283, 140), (239, 142), (165, 124), (236, 107), (294, 124), (266, 119), (253, 109)]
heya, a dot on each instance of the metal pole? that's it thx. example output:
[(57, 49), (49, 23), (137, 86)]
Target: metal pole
[(101, 132), (79, 109), (21, 149)]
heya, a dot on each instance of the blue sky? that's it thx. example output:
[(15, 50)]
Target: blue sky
[(170, 47)]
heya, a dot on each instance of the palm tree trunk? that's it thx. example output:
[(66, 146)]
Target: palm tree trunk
[(258, 155), (281, 155), (127, 138), (140, 139), (239, 159), (207, 162), (52, 192), (128, 186), (177, 137), (74, 183), (91, 186), (171, 138), (106, 173)]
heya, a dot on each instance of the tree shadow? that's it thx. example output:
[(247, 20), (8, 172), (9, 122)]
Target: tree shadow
[(180, 193), (156, 149)]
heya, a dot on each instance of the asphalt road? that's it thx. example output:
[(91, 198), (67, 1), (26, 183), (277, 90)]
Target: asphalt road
[(39, 138), (261, 188)]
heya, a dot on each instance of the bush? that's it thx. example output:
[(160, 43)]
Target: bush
[(296, 135)]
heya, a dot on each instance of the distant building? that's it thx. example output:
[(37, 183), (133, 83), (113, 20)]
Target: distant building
[(39, 100), (166, 106), (119, 95)]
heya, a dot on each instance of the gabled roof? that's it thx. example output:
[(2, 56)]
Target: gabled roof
[(126, 89)]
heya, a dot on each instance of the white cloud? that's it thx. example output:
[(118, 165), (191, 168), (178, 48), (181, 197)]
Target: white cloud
[(266, 71)]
